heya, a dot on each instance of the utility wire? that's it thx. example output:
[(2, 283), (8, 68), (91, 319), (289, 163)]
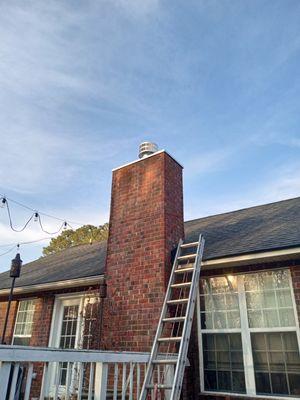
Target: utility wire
[(17, 245), (28, 242)]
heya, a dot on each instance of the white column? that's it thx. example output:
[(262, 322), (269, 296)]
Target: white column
[(101, 381), (4, 378)]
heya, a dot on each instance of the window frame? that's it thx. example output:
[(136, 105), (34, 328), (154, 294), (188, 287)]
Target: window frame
[(245, 332), (32, 299)]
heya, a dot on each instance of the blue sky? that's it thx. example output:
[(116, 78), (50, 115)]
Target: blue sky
[(82, 83)]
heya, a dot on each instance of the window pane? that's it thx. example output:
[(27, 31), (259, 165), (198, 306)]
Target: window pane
[(69, 327), (223, 362), (262, 382), (219, 303), (275, 365), (24, 322), (210, 380), (21, 341), (269, 299), (238, 382), (279, 383)]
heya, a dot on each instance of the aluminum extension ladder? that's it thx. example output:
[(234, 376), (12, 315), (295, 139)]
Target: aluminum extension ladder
[(170, 346)]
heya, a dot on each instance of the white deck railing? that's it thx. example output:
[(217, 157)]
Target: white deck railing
[(71, 374)]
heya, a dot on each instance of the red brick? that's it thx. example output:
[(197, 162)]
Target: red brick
[(146, 223)]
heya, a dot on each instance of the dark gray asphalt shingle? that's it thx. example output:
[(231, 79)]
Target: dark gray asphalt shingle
[(75, 262), (268, 227)]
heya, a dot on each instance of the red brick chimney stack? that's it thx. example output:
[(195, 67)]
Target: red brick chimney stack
[(146, 222)]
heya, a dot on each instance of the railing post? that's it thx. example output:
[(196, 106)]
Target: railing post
[(28, 381), (4, 379), (169, 378), (44, 384), (13, 385), (101, 374)]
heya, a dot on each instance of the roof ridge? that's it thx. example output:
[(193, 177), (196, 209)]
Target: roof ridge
[(242, 209)]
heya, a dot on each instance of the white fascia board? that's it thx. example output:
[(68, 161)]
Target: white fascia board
[(70, 283), (264, 256)]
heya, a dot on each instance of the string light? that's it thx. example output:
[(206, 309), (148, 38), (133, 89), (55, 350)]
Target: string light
[(5, 198), (3, 201), (36, 217)]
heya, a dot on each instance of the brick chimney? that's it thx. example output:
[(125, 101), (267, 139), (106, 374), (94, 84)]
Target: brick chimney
[(146, 222)]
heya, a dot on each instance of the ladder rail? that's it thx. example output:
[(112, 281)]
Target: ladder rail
[(182, 354), (160, 325), (184, 337)]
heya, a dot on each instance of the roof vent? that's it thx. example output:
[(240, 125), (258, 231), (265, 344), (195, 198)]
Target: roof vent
[(147, 148)]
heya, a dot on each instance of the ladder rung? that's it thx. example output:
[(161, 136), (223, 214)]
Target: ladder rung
[(187, 257), (166, 361), (159, 386), (180, 285), (170, 339), (177, 301), (174, 319), (187, 245), (183, 270)]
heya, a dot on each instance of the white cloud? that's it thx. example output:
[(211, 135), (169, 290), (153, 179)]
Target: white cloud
[(208, 162), (281, 183)]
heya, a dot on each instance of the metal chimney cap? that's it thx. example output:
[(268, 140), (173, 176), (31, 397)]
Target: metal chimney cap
[(147, 148)]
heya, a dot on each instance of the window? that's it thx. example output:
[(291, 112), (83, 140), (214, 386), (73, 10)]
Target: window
[(250, 335), (24, 323), (68, 335)]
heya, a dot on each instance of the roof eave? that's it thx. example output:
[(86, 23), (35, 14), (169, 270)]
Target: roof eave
[(290, 253), (59, 285), (228, 261)]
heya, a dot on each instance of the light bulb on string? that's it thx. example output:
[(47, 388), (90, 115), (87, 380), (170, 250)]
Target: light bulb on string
[(3, 202)]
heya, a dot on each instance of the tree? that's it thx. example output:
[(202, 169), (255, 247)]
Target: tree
[(84, 235)]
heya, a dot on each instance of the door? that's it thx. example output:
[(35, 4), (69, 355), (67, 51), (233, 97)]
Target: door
[(66, 333)]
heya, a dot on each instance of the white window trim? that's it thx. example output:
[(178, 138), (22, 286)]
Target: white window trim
[(246, 340), (15, 323)]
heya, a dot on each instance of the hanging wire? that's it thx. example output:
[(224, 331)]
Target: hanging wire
[(17, 245), (64, 225), (36, 216), (9, 251), (2, 196), (28, 242), (10, 220)]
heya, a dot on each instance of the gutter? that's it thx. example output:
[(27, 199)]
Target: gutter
[(70, 283), (250, 258), (231, 261)]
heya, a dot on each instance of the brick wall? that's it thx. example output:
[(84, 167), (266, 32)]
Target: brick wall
[(11, 320), (146, 223)]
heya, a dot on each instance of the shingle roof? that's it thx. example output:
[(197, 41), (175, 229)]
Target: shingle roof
[(267, 227), (73, 263)]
